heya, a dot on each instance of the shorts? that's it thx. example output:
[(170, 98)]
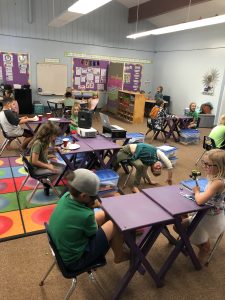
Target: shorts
[(27, 133), (96, 249)]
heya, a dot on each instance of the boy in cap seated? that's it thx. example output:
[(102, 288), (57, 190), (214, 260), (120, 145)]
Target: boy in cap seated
[(142, 156), (73, 225)]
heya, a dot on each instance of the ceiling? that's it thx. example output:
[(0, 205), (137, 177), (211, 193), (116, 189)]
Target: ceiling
[(160, 15)]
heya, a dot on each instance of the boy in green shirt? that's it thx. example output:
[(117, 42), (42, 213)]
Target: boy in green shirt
[(142, 156), (74, 226)]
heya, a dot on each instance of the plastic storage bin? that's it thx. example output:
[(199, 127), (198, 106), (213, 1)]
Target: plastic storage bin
[(173, 160), (135, 137), (168, 150), (38, 108), (108, 179), (190, 183), (189, 136)]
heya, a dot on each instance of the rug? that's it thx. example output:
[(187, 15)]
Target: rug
[(18, 215)]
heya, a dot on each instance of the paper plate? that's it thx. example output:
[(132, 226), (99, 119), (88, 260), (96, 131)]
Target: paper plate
[(35, 119), (54, 119), (71, 147)]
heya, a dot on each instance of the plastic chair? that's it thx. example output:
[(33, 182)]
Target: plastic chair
[(214, 249), (44, 178), (7, 140), (208, 144), (151, 127), (64, 270)]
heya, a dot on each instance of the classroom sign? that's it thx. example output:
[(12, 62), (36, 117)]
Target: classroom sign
[(14, 68)]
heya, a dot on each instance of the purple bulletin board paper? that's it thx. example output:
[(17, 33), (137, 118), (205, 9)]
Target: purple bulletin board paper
[(14, 68), (90, 75), (132, 77)]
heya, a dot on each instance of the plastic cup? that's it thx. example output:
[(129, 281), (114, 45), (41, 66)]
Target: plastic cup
[(48, 115), (65, 142), (40, 117)]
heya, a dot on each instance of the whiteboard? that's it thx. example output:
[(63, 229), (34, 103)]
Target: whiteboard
[(51, 78)]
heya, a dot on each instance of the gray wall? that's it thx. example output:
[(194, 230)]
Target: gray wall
[(181, 61), (101, 32)]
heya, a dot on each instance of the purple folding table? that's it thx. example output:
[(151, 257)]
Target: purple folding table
[(63, 124), (130, 212), (100, 145), (173, 200)]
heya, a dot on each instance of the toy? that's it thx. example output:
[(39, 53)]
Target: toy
[(194, 175)]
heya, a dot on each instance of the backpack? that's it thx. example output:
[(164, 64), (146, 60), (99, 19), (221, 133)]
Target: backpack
[(154, 112)]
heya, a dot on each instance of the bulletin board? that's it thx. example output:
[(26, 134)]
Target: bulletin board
[(90, 74), (132, 77), (51, 78), (14, 68)]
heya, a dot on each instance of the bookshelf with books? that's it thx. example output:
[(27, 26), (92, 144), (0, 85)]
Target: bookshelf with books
[(131, 106)]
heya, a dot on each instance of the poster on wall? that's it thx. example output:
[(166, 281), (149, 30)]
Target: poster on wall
[(14, 68), (132, 77), (89, 74)]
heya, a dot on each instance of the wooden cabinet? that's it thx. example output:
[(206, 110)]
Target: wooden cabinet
[(131, 106)]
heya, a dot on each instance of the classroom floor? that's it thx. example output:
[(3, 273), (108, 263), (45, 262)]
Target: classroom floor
[(24, 261)]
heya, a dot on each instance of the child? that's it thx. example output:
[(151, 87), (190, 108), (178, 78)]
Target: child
[(158, 94), (74, 117), (11, 123), (74, 226), (218, 133), (193, 113), (68, 100), (15, 106), (213, 223), (45, 136), (157, 116), (141, 156)]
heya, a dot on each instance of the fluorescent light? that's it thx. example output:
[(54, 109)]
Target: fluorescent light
[(85, 6), (180, 27)]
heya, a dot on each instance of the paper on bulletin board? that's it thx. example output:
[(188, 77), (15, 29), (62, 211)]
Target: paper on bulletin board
[(77, 80)]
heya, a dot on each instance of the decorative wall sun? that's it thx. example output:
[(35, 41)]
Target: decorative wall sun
[(209, 81)]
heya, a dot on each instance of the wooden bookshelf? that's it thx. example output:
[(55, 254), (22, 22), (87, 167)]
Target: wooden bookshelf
[(131, 106)]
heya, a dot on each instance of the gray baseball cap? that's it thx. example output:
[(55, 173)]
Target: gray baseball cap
[(85, 181)]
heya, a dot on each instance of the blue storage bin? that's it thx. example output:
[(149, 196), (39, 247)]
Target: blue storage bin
[(190, 183), (168, 150), (108, 179), (135, 137), (189, 136), (173, 160), (38, 108)]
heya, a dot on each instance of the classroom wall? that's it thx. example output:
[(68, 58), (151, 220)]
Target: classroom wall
[(183, 58), (101, 32)]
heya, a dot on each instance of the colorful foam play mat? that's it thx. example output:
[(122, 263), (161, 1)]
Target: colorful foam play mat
[(21, 214)]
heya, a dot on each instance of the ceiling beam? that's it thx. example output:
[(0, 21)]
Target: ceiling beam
[(154, 8)]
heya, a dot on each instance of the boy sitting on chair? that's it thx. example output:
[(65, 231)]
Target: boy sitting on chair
[(11, 123), (81, 236), (142, 156)]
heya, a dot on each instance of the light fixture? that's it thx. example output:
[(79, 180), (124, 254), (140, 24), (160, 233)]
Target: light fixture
[(86, 6), (180, 27)]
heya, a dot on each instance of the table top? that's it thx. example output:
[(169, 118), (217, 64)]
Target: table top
[(134, 211), (83, 148), (99, 143), (44, 120), (56, 101), (172, 201)]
